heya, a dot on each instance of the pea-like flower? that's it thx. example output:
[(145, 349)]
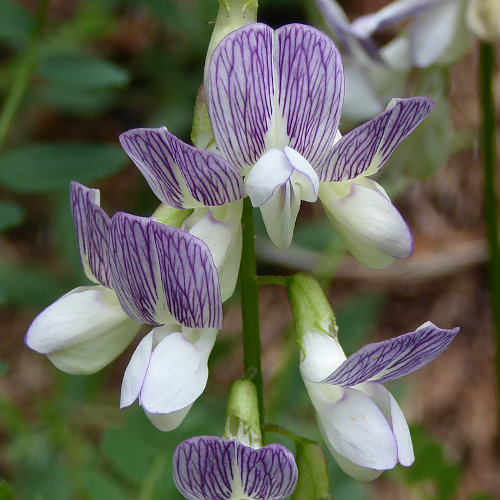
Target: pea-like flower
[(435, 33), (274, 100), (360, 420), (213, 468), (145, 273)]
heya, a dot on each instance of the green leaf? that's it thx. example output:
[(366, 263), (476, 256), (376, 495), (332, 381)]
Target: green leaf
[(41, 168), (80, 102), (11, 214), (27, 286), (82, 71), (15, 22)]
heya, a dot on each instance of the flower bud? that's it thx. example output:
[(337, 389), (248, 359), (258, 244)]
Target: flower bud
[(483, 18), (242, 415)]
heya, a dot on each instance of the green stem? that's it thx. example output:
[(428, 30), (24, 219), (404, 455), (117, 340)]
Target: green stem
[(279, 429), (250, 306), (487, 66), (23, 73), (271, 280), (154, 473)]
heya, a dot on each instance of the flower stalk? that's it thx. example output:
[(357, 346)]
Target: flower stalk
[(486, 69), (250, 306)]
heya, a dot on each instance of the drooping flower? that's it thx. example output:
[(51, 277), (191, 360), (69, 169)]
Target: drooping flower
[(146, 273), (434, 35), (274, 100), (361, 422)]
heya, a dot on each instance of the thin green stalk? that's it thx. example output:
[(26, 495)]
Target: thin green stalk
[(271, 280), (487, 66), (250, 306), (23, 73), (156, 470)]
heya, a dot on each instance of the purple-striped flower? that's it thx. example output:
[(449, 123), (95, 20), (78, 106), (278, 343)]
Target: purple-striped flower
[(435, 34), (145, 272), (361, 422), (212, 468), (274, 100)]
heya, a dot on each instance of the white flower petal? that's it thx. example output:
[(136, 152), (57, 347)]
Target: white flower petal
[(136, 371), (277, 183), (355, 471), (367, 222), (168, 421), (220, 229), (178, 371), (83, 331), (320, 356), (406, 456), (280, 213), (392, 412), (432, 32), (357, 429), (272, 170)]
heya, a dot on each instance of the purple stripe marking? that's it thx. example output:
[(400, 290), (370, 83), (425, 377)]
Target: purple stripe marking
[(146, 150), (92, 232), (189, 277), (375, 140), (203, 468), (310, 89), (161, 157), (239, 93), (393, 358), (268, 472), (134, 267)]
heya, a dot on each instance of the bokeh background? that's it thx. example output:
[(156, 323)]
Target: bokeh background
[(104, 66)]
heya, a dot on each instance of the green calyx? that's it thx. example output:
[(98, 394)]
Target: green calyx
[(233, 14), (310, 307), (313, 481), (169, 216), (242, 414)]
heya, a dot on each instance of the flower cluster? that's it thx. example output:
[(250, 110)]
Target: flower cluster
[(274, 102)]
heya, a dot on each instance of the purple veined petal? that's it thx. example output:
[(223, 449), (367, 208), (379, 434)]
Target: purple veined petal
[(393, 358), (392, 14), (352, 41), (239, 91), (160, 272), (268, 472), (310, 89), (365, 149), (92, 232), (134, 269), (338, 23), (204, 468), (212, 468), (181, 175), (189, 277)]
